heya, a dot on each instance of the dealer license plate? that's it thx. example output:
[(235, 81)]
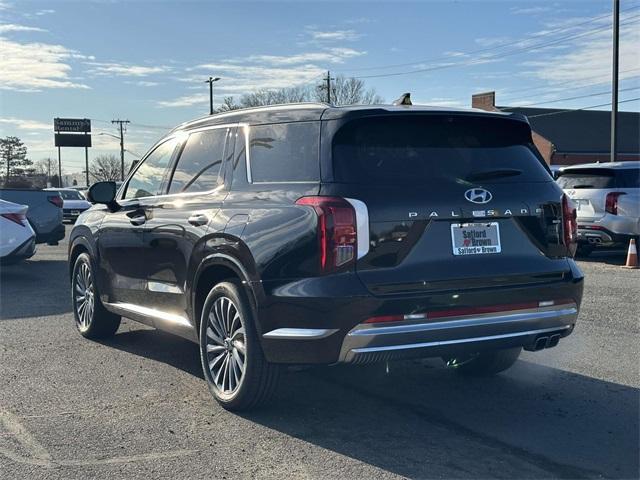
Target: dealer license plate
[(475, 238)]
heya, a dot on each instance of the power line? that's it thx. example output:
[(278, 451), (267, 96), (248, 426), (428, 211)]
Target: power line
[(497, 55), (527, 89), (570, 98), (494, 47), (579, 109)]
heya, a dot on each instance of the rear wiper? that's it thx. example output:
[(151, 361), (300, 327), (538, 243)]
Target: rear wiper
[(503, 172), (582, 186)]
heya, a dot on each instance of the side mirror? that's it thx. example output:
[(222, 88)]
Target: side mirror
[(102, 192)]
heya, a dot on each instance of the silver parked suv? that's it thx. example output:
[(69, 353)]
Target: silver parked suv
[(607, 198)]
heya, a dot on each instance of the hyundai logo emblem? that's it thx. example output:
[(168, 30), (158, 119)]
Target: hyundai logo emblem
[(478, 195)]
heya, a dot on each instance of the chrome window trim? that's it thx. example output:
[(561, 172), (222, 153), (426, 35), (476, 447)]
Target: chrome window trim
[(184, 136)]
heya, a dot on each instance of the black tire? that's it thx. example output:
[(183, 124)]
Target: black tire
[(227, 313), (92, 319), (485, 363)]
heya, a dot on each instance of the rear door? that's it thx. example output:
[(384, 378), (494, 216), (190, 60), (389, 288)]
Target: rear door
[(454, 201)]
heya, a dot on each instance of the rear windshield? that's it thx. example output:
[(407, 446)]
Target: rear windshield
[(411, 150), (71, 195), (600, 178)]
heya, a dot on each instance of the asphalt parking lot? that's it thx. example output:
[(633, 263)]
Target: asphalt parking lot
[(137, 406)]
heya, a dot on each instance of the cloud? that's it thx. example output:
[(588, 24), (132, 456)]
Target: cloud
[(25, 124), (12, 27), (257, 72), (144, 83), (589, 58), (334, 35), (186, 101), (125, 70), (34, 66), (46, 11)]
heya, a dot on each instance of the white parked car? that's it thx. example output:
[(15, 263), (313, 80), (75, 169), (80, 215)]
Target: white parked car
[(17, 238), (73, 202), (607, 198)]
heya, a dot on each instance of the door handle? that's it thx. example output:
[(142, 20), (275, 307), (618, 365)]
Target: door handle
[(138, 220), (198, 219)]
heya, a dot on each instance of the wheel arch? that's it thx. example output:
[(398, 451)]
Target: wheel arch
[(215, 268), (78, 246)]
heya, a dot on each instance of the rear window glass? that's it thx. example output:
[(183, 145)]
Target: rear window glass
[(70, 195), (412, 150), (600, 178), (286, 152)]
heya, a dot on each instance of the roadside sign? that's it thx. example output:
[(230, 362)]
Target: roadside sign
[(71, 140), (74, 125)]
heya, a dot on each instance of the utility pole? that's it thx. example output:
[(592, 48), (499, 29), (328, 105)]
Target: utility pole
[(121, 124), (49, 172), (210, 82), (59, 169), (614, 80), (327, 86)]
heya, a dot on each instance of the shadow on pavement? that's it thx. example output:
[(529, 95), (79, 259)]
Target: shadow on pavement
[(34, 288), (421, 420)]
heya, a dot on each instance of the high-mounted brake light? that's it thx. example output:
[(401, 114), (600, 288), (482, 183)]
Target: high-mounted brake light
[(611, 202), (569, 223), (337, 231), (18, 218), (56, 200)]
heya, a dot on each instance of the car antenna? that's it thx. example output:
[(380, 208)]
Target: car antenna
[(405, 99)]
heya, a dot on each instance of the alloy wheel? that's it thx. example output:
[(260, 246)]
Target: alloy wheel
[(225, 345), (84, 296)]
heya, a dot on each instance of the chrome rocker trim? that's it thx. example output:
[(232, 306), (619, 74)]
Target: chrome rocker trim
[(299, 333)]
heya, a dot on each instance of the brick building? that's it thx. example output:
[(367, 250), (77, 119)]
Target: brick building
[(568, 137)]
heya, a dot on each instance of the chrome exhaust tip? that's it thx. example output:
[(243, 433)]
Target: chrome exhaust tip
[(553, 340)]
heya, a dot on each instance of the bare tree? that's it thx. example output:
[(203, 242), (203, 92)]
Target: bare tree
[(106, 168), (349, 91), (344, 91)]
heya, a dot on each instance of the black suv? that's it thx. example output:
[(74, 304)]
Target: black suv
[(305, 234)]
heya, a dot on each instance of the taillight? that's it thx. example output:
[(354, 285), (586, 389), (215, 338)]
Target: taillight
[(56, 200), (18, 218), (569, 223), (611, 203), (337, 231)]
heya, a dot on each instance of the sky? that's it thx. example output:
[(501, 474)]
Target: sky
[(146, 61)]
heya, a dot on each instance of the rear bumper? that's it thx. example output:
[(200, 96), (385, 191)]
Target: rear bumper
[(304, 322), (72, 213), (53, 236), (366, 343), (23, 251), (599, 236)]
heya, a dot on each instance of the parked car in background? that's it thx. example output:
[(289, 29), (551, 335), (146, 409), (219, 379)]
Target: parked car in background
[(73, 202), (44, 214), (17, 238), (607, 199), (316, 234)]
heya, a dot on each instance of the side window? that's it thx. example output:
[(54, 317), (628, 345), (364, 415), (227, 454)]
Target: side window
[(285, 152), (149, 178), (199, 164)]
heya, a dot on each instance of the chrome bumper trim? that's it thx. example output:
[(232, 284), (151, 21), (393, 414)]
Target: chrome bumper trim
[(299, 333), (490, 319), (374, 338), (458, 341)]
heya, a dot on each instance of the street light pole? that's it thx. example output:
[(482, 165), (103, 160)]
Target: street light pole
[(614, 81), (210, 82)]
